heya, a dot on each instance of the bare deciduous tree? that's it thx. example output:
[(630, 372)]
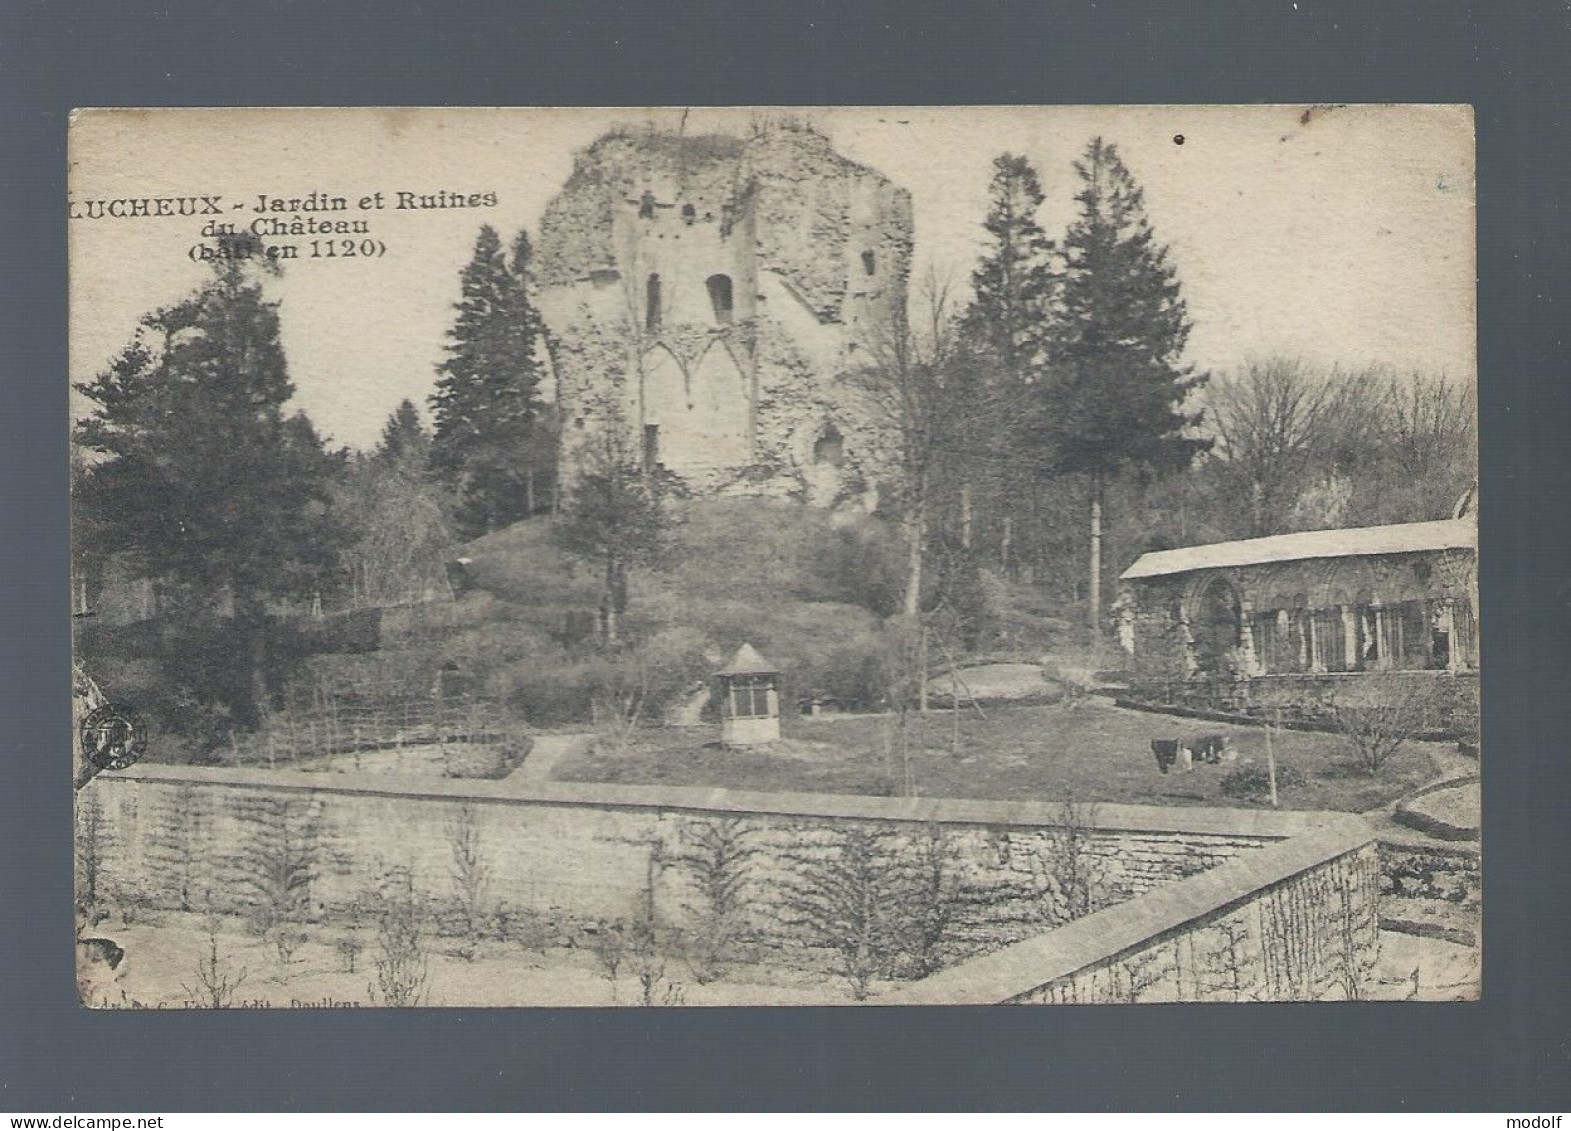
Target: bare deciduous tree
[(1428, 422), (610, 950), (1380, 715), (218, 979), (915, 388), (922, 389), (349, 946), (1271, 420)]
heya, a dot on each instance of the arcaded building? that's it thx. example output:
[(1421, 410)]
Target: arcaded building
[(710, 300), (1235, 623)]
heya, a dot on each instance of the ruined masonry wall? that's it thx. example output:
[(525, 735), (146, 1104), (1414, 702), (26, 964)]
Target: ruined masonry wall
[(817, 251)]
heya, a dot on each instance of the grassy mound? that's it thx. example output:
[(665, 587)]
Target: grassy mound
[(811, 589)]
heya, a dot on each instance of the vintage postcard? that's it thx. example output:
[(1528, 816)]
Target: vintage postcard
[(907, 555)]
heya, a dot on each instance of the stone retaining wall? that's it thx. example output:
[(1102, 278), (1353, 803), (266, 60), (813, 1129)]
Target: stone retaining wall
[(583, 854), (1297, 921)]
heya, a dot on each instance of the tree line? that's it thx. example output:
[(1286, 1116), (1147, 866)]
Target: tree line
[(1051, 429)]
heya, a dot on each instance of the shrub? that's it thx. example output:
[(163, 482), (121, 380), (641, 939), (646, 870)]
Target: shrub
[(1252, 780), (402, 971), (547, 693), (843, 896), (279, 857), (218, 980), (471, 877), (716, 858)]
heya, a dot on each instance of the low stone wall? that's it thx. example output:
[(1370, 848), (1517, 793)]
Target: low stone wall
[(1304, 700), (583, 855), (1298, 921)]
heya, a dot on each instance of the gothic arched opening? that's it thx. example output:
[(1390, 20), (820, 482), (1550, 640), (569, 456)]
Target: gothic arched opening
[(829, 448), (720, 298), (1214, 624), (652, 303)]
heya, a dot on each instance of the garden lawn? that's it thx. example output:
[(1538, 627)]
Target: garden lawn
[(1093, 751)]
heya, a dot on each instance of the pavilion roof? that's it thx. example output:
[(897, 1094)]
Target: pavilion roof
[(747, 661), (1364, 541)]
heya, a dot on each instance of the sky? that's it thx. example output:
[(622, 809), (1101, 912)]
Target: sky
[(1340, 236)]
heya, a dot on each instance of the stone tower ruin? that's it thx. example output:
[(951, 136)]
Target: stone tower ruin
[(710, 300)]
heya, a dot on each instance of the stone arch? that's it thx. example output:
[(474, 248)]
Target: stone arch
[(720, 298), (665, 392), (829, 447), (722, 406), (653, 311), (1213, 612), (1335, 582)]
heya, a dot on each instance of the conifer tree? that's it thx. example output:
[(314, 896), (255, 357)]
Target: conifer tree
[(404, 437), (402, 529), (490, 443), (1013, 282), (1119, 382), (1006, 326), (616, 519), (205, 482)]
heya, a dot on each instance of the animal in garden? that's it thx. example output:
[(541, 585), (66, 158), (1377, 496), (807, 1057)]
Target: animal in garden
[(1174, 754), (1212, 748)]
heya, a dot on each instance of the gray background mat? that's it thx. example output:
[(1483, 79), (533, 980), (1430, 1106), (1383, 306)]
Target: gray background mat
[(1506, 1053)]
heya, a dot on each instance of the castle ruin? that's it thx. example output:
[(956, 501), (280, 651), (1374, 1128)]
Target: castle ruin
[(708, 299)]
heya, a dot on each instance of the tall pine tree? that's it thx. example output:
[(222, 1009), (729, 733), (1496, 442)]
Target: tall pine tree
[(1119, 384), (205, 483), (492, 444), (1006, 326), (1013, 283)]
